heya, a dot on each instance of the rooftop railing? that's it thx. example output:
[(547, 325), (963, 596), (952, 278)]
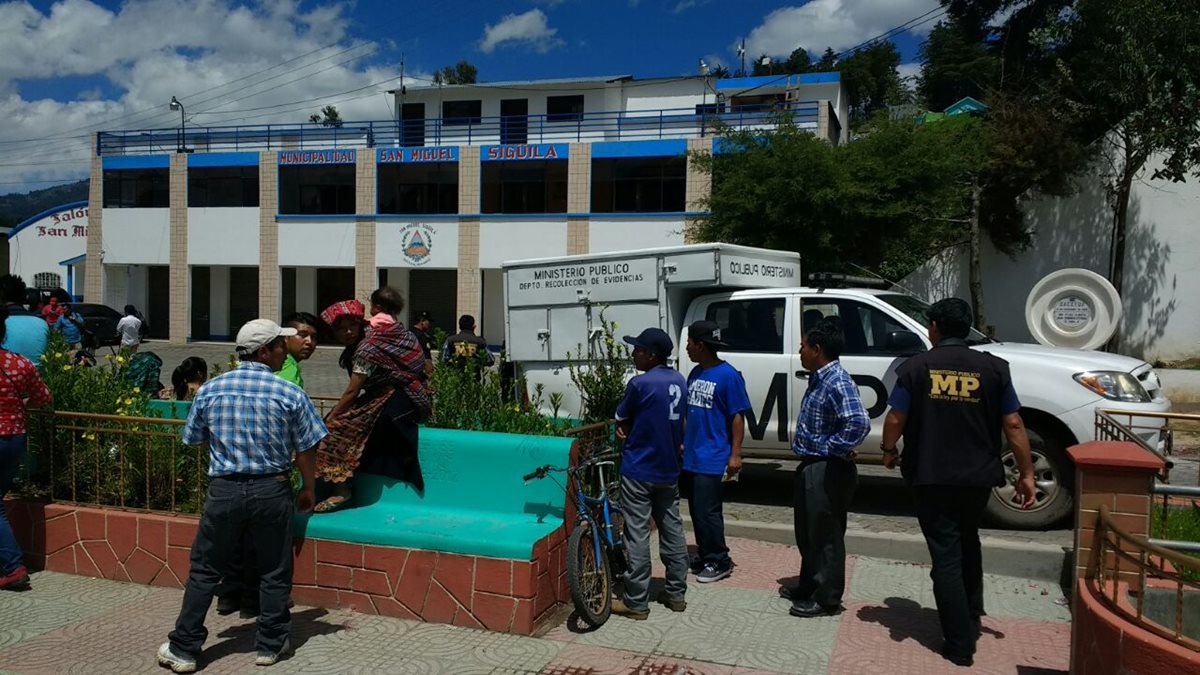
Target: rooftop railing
[(627, 125)]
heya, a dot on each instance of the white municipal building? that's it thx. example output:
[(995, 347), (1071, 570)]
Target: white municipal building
[(203, 228)]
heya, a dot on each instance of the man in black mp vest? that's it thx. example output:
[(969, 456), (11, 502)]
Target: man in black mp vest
[(953, 404)]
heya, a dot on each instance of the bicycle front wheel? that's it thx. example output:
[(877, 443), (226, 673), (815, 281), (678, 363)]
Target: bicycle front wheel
[(589, 576)]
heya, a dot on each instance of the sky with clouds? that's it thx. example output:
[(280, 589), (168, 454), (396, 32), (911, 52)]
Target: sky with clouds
[(71, 67)]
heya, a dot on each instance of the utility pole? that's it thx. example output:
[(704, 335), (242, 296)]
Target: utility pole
[(742, 56)]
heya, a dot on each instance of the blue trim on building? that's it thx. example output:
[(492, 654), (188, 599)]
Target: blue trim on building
[(136, 162), (216, 159), (283, 217), (656, 148), (73, 261), (739, 83), (33, 219)]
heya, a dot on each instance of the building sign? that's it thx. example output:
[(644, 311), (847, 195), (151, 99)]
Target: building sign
[(614, 280), (69, 223), (317, 157), (416, 243), (506, 153), (1071, 313), (409, 155)]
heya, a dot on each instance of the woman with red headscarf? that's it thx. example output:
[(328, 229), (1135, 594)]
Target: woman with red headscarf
[(373, 427)]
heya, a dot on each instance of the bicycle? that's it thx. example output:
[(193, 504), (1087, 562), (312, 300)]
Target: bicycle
[(595, 548)]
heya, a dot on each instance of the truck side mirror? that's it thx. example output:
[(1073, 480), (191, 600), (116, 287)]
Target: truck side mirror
[(905, 342)]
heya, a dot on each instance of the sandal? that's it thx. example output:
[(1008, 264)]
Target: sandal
[(331, 504)]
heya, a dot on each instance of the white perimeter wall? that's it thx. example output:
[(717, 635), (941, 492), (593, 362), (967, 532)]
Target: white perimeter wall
[(623, 234), (222, 236), (502, 240), (137, 237), (316, 243), (1162, 264)]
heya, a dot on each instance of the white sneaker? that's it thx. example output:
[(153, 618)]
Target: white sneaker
[(271, 658), (167, 658)]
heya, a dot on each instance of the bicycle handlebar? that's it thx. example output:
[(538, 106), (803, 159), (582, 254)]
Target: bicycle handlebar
[(541, 471)]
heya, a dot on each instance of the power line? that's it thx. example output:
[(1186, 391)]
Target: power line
[(907, 25)]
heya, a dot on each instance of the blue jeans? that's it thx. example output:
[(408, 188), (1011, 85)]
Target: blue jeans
[(262, 508), (12, 451), (706, 506)]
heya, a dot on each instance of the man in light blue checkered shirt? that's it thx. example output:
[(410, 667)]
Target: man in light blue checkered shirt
[(252, 423), (832, 424)]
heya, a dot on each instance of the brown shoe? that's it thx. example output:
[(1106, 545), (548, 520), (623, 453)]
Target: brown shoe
[(673, 604), (620, 609)]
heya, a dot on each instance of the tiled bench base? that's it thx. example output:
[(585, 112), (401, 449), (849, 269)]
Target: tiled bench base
[(511, 596)]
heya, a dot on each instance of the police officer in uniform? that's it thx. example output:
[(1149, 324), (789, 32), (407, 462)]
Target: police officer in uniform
[(952, 405), (465, 347)]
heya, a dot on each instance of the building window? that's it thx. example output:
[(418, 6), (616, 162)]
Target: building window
[(418, 188), (317, 189), (461, 112), (137, 189), (564, 108), (525, 187), (223, 186), (639, 185), (754, 326)]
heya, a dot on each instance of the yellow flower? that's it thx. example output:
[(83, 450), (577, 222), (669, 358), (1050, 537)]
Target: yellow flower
[(137, 390), (60, 354), (67, 367), (90, 437), (128, 401), (121, 359)]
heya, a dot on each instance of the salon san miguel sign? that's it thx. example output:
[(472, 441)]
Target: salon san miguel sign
[(508, 153), (290, 157), (68, 223)]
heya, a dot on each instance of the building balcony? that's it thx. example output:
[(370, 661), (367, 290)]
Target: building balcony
[(632, 125)]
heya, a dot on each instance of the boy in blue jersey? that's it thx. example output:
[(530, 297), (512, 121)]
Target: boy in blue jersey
[(650, 421), (712, 446)]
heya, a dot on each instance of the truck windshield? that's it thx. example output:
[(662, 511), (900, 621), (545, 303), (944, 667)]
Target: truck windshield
[(919, 311)]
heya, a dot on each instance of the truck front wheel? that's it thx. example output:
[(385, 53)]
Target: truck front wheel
[(1052, 474)]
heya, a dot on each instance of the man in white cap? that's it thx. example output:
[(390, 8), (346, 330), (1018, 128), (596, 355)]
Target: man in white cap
[(252, 423)]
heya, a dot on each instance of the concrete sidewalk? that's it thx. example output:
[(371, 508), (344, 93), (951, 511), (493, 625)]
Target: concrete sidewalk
[(69, 624)]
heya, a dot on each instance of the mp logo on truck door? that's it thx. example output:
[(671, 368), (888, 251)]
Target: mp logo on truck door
[(776, 404)]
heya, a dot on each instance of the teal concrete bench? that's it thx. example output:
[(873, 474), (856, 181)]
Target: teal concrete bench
[(167, 409), (475, 500)]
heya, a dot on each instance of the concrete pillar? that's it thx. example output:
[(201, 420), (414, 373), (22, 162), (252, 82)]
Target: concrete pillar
[(698, 188), (579, 197), (366, 276), (268, 236), (469, 175), (827, 124), (179, 296), (93, 273), (1118, 475), (398, 278)]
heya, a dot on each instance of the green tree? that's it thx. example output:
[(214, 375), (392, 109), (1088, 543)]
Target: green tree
[(954, 64), (328, 117), (1131, 71), (462, 72), (827, 62), (796, 62), (871, 80)]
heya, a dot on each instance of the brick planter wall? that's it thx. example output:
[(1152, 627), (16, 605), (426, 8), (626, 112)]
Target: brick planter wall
[(511, 596), (1105, 642)]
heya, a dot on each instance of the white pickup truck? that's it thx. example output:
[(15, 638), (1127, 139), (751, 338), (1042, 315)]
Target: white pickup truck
[(554, 307)]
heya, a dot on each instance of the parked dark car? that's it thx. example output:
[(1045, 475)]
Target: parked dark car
[(101, 321)]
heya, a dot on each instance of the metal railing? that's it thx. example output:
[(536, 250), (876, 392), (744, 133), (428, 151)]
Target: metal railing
[(621, 125), (1116, 552), (1150, 431), (113, 460)]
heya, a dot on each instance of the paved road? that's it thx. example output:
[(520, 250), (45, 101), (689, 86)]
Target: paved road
[(71, 624)]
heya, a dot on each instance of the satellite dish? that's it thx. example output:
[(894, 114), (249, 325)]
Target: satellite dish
[(1073, 308)]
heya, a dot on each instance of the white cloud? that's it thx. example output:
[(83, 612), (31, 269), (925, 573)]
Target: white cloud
[(684, 5), (150, 50), (835, 23), (529, 29), (909, 71)]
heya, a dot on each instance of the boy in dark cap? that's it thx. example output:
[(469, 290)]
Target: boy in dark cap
[(712, 447), (650, 421)]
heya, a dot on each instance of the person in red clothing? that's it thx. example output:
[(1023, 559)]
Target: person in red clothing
[(20, 386), (52, 311)]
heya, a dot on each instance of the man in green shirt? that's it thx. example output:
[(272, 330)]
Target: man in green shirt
[(299, 346)]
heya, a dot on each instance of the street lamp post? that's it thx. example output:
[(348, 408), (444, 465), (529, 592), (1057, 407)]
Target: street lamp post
[(176, 105)]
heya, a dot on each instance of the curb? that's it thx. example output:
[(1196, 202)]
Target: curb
[(1027, 560)]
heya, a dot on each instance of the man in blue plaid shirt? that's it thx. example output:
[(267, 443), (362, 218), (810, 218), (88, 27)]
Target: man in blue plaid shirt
[(252, 423), (832, 424)]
